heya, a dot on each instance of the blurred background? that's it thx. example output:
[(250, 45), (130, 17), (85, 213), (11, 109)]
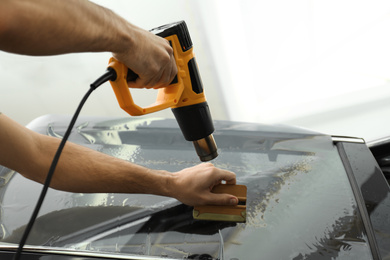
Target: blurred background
[(322, 65)]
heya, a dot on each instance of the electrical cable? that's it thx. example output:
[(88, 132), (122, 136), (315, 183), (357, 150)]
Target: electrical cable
[(109, 75)]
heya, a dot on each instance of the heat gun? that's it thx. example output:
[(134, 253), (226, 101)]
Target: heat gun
[(185, 95)]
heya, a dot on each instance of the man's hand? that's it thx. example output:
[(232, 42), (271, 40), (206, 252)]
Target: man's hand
[(193, 186), (151, 58)]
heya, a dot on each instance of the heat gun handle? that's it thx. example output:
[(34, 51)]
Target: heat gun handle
[(166, 97), (185, 90), (131, 76)]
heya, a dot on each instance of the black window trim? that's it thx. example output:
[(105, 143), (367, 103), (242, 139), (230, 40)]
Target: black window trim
[(359, 200)]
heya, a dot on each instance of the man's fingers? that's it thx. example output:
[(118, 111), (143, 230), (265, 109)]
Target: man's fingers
[(223, 199), (230, 177), (143, 82), (165, 78), (227, 176), (158, 80)]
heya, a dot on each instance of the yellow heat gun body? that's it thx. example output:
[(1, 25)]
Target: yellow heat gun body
[(185, 95)]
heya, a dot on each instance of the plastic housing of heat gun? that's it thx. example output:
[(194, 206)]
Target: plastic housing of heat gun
[(185, 95)]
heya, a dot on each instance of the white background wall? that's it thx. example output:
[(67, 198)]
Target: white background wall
[(323, 65)]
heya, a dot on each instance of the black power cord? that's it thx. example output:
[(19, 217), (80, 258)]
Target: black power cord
[(109, 75)]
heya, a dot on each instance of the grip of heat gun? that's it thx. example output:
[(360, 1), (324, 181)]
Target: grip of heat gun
[(132, 76), (166, 97)]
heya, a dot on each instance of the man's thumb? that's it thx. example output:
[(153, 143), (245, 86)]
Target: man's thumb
[(225, 200)]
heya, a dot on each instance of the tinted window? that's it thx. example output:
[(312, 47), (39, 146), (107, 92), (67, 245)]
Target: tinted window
[(300, 203)]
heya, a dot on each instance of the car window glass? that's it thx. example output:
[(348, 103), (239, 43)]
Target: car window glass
[(300, 203)]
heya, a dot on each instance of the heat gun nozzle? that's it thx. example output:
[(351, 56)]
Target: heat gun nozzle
[(206, 148)]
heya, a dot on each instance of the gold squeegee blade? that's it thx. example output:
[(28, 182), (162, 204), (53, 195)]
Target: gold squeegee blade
[(224, 213)]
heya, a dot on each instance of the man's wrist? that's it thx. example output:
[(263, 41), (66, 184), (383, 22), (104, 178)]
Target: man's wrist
[(124, 39), (166, 183)]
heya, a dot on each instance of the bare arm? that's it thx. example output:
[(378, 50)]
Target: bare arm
[(49, 27), (84, 170)]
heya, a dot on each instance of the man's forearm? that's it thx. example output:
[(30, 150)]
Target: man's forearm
[(81, 169), (84, 170), (56, 26)]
